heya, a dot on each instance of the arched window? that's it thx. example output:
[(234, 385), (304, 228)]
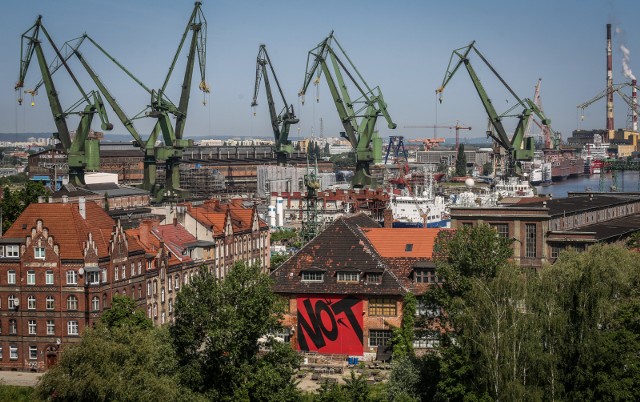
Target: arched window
[(72, 303), (162, 295), (170, 306), (155, 287), (149, 311), (133, 292), (139, 291), (148, 288), (170, 288), (95, 303), (177, 278), (155, 310), (104, 300)]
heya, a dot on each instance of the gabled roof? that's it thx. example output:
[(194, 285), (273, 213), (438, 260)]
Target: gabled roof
[(403, 242), (213, 214), (67, 227), (175, 238), (358, 244)]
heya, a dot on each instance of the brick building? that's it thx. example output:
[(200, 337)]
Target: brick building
[(543, 227), (345, 287), (62, 263)]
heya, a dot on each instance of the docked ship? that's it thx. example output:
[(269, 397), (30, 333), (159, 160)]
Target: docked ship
[(565, 163), (414, 211), (594, 154)]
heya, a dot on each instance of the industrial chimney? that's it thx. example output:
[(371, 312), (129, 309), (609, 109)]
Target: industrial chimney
[(610, 126), (634, 106)]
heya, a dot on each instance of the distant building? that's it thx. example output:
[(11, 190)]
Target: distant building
[(344, 289)]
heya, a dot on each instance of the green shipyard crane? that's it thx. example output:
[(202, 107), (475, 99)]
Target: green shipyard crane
[(359, 115), (83, 149), (518, 147), (160, 106), (280, 123)]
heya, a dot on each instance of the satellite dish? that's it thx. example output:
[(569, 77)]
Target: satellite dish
[(469, 182), (58, 341), (81, 271)]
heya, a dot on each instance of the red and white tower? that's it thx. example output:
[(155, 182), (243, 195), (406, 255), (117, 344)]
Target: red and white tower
[(610, 126)]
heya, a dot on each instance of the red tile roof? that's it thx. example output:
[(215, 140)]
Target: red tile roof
[(67, 227), (393, 242)]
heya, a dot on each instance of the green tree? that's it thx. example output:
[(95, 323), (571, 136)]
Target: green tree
[(15, 201), (117, 364), (327, 150), (403, 336), (218, 324), (461, 162), (487, 168), (123, 313)]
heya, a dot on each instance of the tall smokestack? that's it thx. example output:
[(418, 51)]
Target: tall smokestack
[(610, 126), (634, 106)]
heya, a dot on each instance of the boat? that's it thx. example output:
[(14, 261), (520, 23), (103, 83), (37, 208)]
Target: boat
[(594, 154), (411, 211), (513, 187)]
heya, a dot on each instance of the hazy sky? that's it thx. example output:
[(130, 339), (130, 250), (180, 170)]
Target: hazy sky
[(403, 46)]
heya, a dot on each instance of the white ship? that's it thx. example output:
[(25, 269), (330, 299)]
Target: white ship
[(411, 211)]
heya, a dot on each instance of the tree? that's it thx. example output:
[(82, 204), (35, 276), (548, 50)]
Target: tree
[(14, 202), (123, 313), (327, 150), (218, 324), (461, 162), (402, 339), (487, 168)]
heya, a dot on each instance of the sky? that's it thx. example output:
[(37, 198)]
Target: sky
[(402, 46)]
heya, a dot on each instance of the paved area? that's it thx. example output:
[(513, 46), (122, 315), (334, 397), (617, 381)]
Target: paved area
[(24, 379)]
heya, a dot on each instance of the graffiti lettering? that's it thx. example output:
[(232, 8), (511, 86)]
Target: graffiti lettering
[(322, 324)]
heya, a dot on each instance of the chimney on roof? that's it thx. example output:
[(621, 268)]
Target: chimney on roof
[(388, 218), (175, 221), (65, 199), (40, 199), (50, 200), (82, 207)]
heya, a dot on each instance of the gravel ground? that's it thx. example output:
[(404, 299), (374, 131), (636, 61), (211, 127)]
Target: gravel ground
[(24, 379)]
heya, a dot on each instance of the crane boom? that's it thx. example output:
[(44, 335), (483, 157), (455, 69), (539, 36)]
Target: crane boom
[(280, 123), (358, 115), (518, 147)]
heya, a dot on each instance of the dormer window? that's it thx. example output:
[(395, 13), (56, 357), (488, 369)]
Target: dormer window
[(12, 251), (38, 253), (353, 277), (408, 247), (425, 275), (313, 276)]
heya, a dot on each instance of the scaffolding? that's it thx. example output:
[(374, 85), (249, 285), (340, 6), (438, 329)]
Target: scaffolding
[(201, 181)]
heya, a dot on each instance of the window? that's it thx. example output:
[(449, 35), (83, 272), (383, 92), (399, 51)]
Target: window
[(1, 253), (115, 273), (13, 327), (93, 277), (72, 303), (124, 272), (72, 327), (38, 252), (556, 250), (139, 291), (72, 278), (51, 327), (312, 276), (155, 310), (163, 318), (133, 269), (170, 287), (32, 327), (348, 277), (139, 267), (31, 277), (374, 278), (530, 240), (50, 304), (31, 302), (426, 341), (408, 247), (155, 287), (382, 307), (11, 277), (12, 251), (95, 303), (149, 311), (379, 337), (148, 288), (170, 306), (48, 277), (162, 295), (177, 287), (185, 279), (12, 302), (425, 275), (0, 353), (33, 352), (502, 229), (13, 352), (104, 275)]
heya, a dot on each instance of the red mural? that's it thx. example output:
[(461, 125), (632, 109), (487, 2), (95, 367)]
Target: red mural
[(331, 324)]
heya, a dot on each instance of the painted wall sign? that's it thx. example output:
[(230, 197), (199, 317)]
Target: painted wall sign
[(331, 324)]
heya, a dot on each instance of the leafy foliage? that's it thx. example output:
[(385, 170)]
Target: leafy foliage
[(15, 201), (16, 394), (402, 339), (218, 324), (117, 364), (461, 162), (123, 313)]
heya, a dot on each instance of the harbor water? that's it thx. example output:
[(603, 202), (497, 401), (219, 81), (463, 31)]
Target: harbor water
[(628, 181)]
